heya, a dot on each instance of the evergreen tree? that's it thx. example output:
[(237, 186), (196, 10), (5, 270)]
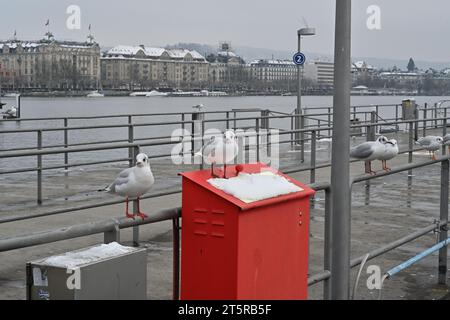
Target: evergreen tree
[(411, 65)]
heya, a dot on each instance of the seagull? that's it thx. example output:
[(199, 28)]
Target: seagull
[(446, 141), (390, 152), (220, 150), (133, 183), (431, 144), (369, 151), (12, 112)]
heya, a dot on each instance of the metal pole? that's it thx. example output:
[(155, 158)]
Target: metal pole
[(425, 118), (298, 110), (312, 174), (131, 140), (176, 258), (39, 168), (327, 243), (340, 168), (443, 234), (66, 143), (135, 203)]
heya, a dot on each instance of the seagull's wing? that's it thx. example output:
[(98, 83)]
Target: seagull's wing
[(362, 151), (425, 141), (209, 148), (122, 178)]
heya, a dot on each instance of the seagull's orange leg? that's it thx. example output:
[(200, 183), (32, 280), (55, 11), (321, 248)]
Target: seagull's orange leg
[(434, 156), (385, 167), (369, 168), (128, 215), (140, 214)]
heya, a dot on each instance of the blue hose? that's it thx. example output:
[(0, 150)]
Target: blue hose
[(420, 256)]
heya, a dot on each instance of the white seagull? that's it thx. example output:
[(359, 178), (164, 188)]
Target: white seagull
[(220, 150), (390, 152), (369, 151), (431, 144), (446, 140), (133, 183)]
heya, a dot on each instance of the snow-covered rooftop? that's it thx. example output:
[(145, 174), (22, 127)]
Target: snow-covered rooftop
[(153, 52), (272, 62)]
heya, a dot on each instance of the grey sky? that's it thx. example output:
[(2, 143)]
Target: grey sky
[(409, 27)]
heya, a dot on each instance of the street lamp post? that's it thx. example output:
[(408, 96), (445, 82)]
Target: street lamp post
[(299, 120)]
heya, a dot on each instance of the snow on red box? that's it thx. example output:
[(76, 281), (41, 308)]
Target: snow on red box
[(235, 250)]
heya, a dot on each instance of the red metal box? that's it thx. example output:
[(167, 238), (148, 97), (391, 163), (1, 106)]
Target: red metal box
[(234, 250)]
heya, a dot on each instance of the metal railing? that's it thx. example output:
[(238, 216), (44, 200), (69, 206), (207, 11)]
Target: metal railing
[(111, 227)]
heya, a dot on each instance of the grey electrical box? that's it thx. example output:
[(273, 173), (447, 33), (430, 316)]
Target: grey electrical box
[(409, 109), (103, 272)]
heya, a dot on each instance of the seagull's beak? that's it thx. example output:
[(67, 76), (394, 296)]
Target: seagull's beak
[(139, 163)]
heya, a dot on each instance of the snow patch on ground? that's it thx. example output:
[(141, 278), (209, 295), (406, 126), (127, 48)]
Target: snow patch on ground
[(256, 186), (78, 258)]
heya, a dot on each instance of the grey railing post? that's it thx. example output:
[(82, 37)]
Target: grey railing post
[(302, 137), (66, 143), (329, 121), (202, 138), (39, 168), (327, 243), (292, 129), (227, 114), (425, 111), (312, 174), (131, 156), (112, 235), (396, 112), (135, 203), (443, 234), (435, 115), (416, 124), (257, 139), (176, 258), (371, 130)]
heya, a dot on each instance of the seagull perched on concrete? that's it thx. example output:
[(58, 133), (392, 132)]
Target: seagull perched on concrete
[(369, 151), (390, 152), (133, 183), (220, 150), (431, 144), (446, 141)]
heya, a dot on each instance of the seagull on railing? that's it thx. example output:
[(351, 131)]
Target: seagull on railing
[(390, 152), (431, 144), (369, 151), (133, 183), (220, 150)]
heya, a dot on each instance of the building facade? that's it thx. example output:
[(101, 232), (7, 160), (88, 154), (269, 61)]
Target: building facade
[(141, 67), (320, 72), (273, 70), (49, 64)]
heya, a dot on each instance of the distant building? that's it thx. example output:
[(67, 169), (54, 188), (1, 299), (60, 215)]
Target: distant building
[(49, 64), (273, 70), (320, 72), (226, 67), (143, 67), (361, 70)]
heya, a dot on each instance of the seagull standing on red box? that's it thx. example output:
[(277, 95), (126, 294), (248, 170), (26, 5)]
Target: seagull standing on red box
[(220, 150)]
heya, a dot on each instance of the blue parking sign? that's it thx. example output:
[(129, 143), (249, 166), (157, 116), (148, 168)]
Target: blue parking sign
[(299, 59)]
